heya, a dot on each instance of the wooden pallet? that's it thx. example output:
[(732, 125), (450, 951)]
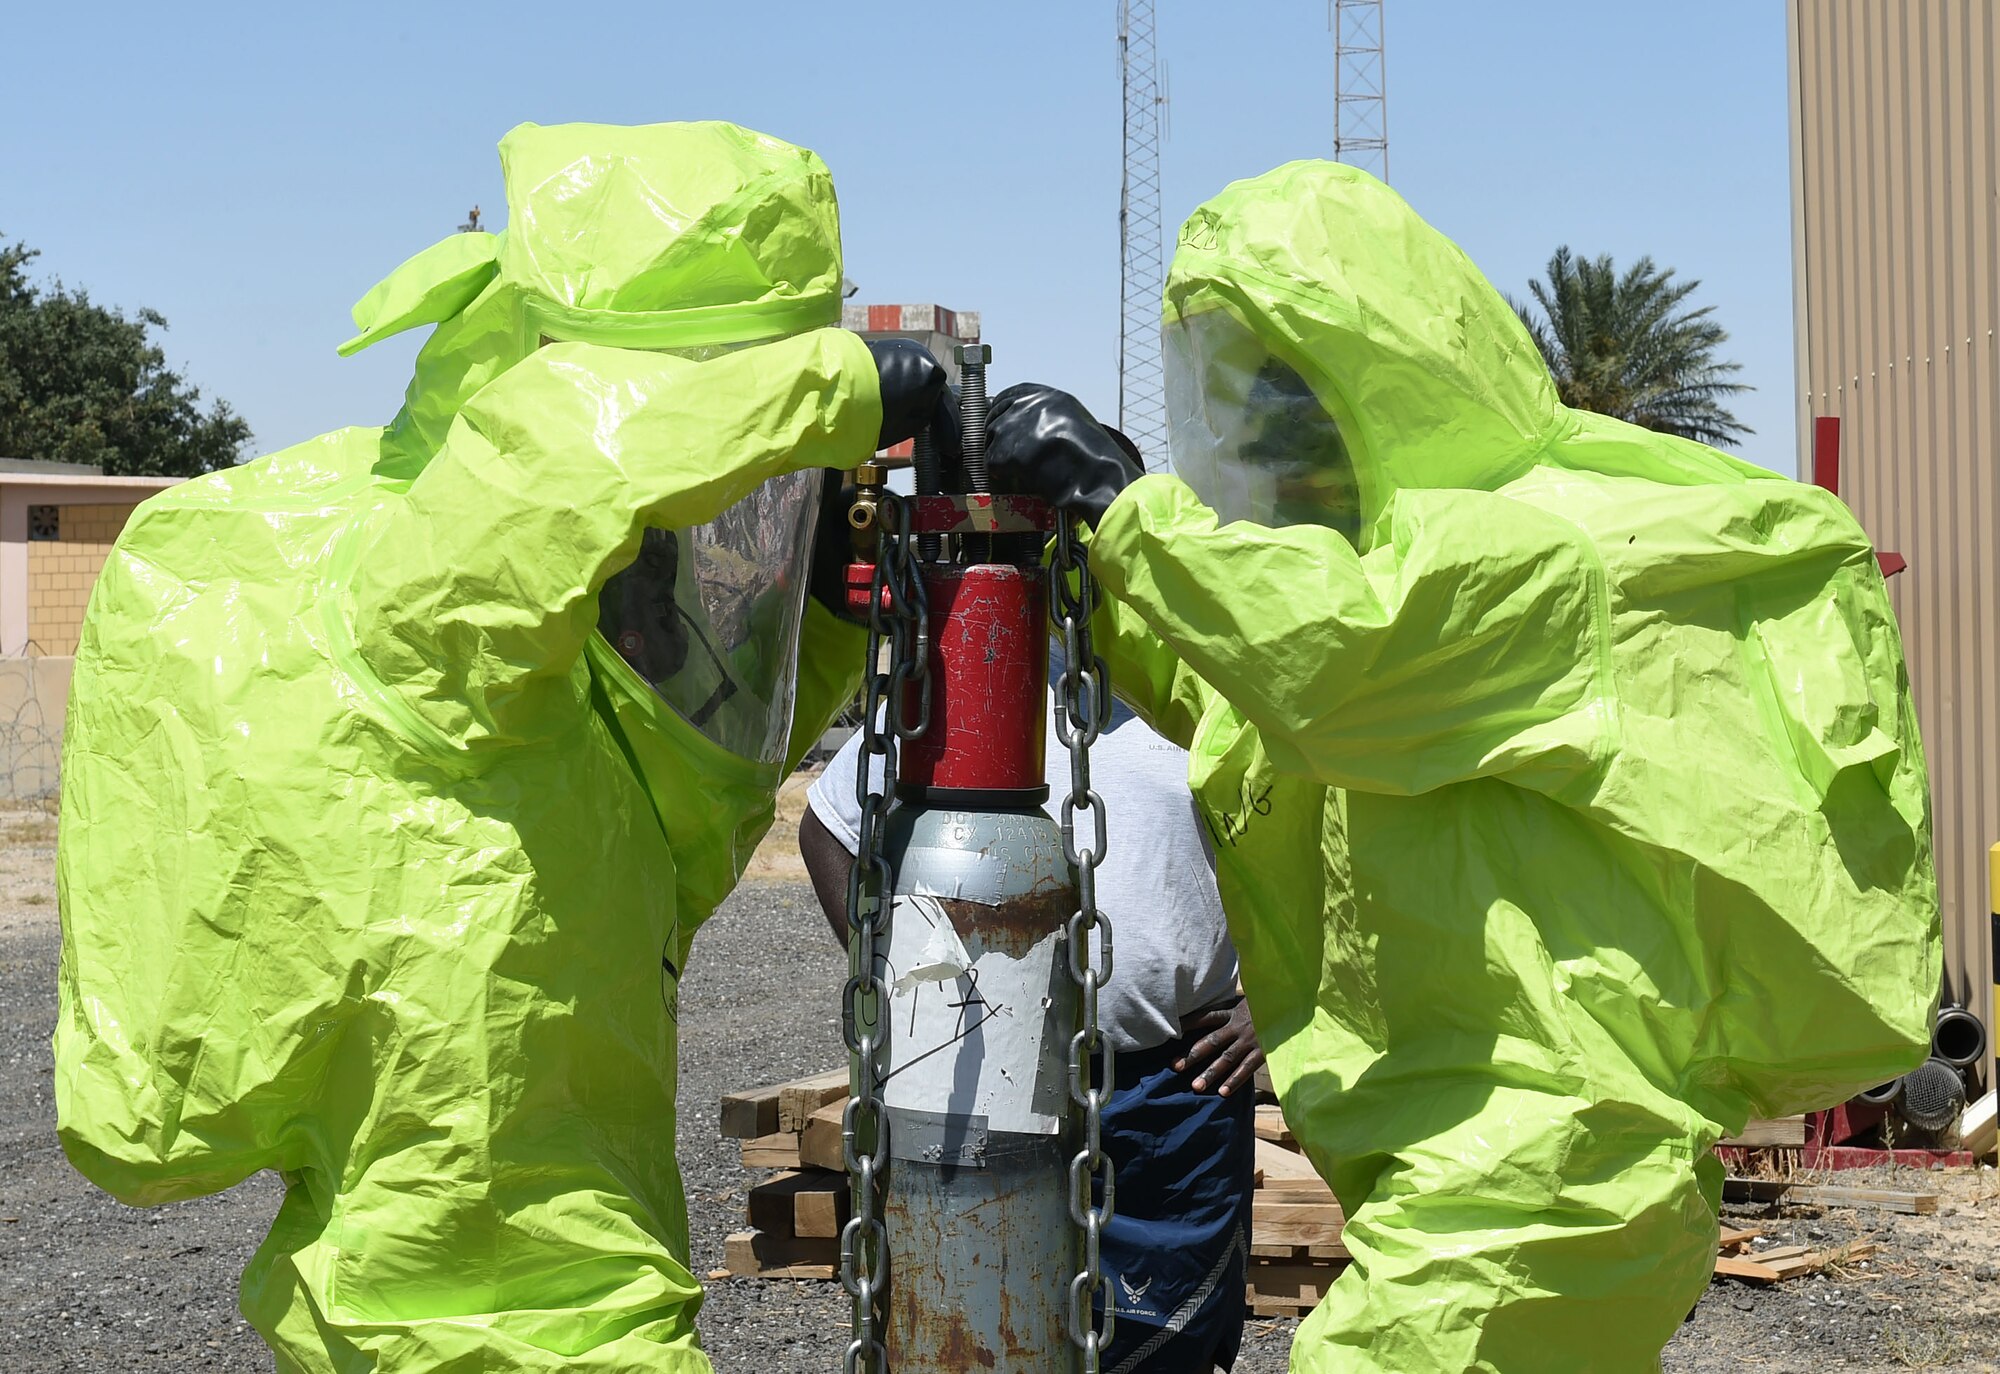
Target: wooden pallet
[(1271, 1126), (778, 1151), (1295, 1247), (1764, 1133), (795, 1219), (814, 1144), (1296, 1251), (1282, 1230), (1281, 1288), (1287, 1176)]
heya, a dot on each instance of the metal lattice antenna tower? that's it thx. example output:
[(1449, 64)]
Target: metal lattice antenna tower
[(1142, 405), (1360, 89)]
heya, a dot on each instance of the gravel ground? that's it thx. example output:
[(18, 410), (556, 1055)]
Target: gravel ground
[(89, 1285), (1929, 1299)]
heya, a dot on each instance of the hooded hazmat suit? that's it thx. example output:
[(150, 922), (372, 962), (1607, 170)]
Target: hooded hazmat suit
[(378, 865), (1567, 796)]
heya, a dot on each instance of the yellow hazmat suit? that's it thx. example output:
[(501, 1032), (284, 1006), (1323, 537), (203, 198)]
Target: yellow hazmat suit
[(378, 864), (1566, 791)]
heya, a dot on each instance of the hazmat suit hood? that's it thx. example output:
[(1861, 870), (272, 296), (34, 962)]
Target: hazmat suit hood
[(684, 236), (1316, 279), (691, 239)]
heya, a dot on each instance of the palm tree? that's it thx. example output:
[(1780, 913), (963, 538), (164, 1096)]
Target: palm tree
[(1626, 346)]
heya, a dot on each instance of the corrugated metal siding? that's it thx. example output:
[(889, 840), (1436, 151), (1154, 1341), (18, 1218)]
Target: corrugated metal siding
[(1895, 179)]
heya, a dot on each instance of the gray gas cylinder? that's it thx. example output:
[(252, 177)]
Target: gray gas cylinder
[(981, 1123)]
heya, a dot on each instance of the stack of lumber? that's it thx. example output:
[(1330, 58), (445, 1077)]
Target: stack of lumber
[(1737, 1260), (1295, 1249), (796, 1216)]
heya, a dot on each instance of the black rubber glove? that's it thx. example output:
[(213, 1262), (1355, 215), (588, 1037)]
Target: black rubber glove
[(912, 385), (1043, 442), (946, 434)]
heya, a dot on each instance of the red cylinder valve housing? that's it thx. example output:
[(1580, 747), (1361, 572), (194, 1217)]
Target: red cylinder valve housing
[(989, 668)]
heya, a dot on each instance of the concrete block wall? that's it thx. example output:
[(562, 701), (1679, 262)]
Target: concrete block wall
[(61, 572)]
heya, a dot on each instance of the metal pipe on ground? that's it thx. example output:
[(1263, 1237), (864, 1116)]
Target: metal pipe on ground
[(1958, 1038), (1882, 1094)]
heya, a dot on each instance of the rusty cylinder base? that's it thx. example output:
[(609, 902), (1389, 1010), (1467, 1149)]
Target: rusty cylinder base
[(981, 1125), (981, 1260)]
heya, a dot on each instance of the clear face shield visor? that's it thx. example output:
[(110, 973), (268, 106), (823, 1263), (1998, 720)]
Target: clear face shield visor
[(709, 615), (1248, 433)]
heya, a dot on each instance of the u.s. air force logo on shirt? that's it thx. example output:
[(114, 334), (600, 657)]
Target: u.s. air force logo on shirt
[(1133, 1298)]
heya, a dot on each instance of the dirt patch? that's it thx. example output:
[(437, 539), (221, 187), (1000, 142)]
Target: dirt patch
[(27, 869), (777, 858)]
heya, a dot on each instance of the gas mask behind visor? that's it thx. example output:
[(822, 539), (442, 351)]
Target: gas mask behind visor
[(1249, 433), (709, 616)]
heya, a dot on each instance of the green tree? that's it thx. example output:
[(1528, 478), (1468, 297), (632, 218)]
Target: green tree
[(83, 383), (1628, 346)]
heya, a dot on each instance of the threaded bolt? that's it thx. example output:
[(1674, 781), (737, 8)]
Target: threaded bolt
[(972, 360)]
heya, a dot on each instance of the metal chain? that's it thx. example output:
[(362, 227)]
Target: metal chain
[(897, 609), (1083, 695)]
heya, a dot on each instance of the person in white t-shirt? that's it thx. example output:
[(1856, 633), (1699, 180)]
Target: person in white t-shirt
[(1179, 1126)]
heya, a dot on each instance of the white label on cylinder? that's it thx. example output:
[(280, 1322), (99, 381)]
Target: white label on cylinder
[(973, 1030)]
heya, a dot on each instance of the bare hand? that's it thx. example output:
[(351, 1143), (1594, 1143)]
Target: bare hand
[(1227, 1054)]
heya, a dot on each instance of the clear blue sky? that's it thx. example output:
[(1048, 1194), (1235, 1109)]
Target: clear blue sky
[(250, 170)]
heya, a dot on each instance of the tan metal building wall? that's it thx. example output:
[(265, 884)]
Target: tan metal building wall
[(1896, 230)]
